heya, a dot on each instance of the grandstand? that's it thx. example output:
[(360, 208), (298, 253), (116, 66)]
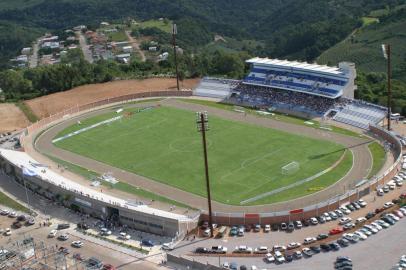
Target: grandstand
[(324, 81), (296, 87), (360, 114), (215, 87)]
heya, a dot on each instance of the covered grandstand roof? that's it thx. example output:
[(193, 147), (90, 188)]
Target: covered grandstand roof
[(295, 64)]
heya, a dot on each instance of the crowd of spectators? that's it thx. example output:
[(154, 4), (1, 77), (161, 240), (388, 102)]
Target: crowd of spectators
[(291, 100)]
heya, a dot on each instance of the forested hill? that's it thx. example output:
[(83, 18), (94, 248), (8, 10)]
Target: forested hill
[(299, 29)]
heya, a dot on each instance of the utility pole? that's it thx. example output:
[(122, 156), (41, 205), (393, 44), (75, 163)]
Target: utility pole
[(174, 33), (386, 49), (202, 121)]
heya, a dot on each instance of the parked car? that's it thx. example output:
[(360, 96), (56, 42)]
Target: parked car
[(261, 250), (77, 244), (202, 250), (388, 205), (335, 231), (242, 249), (314, 221), (360, 235), (362, 203), (233, 231), (52, 233), (298, 224), (345, 210), (291, 227), (63, 237), (325, 247), (63, 226), (257, 228), (380, 192), (309, 240), (360, 220), (219, 249), (7, 232), (345, 220), (332, 215), (12, 215), (293, 245), (307, 252), (348, 226), (267, 228), (269, 258), (147, 243), (105, 232), (83, 226), (370, 215), (297, 254), (279, 257), (321, 220), (343, 242), (339, 213), (322, 236), (334, 246), (284, 226), (315, 249)]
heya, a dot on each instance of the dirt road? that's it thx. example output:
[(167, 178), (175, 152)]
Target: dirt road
[(135, 46)]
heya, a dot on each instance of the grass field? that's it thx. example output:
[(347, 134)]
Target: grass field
[(378, 157), (163, 144)]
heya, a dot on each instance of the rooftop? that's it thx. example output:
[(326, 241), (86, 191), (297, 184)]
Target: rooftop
[(31, 166), (297, 65)]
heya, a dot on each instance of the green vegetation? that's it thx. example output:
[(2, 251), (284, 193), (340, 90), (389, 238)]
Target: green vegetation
[(164, 25), (378, 157), (8, 202), (314, 186), (27, 112), (369, 20), (364, 47), (130, 189), (163, 145), (277, 116), (118, 36)]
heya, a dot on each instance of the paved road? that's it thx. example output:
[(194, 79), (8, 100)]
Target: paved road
[(358, 146), (33, 62), (107, 252), (85, 48)]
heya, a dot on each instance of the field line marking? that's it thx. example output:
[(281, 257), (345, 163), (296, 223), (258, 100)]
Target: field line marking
[(298, 183)]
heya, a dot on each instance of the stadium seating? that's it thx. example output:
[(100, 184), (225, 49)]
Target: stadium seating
[(215, 88), (360, 114)]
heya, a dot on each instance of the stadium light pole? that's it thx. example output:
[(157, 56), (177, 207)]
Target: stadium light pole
[(202, 121), (386, 50), (174, 33)]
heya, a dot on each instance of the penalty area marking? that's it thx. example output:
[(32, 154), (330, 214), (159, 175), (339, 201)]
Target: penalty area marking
[(298, 183)]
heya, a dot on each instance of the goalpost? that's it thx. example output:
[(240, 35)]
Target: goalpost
[(290, 168)]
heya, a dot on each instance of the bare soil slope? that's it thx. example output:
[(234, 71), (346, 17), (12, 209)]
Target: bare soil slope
[(48, 105), (11, 118)]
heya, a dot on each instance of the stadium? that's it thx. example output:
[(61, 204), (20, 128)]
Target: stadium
[(287, 141)]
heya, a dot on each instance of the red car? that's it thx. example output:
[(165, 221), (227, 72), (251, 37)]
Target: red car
[(336, 231), (108, 267), (402, 196)]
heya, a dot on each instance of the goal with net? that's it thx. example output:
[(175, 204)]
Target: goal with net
[(291, 168)]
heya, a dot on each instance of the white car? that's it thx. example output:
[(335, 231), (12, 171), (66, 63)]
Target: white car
[(387, 205), (124, 236), (361, 235), (166, 246), (362, 203), (314, 221), (371, 229), (345, 220), (327, 216), (382, 223), (12, 214), (261, 250), (332, 215), (396, 218), (243, 249), (279, 248), (298, 224), (376, 225), (52, 233), (345, 210), (267, 228), (269, 258), (309, 240), (77, 244), (293, 245), (339, 212), (380, 192), (5, 212), (279, 257), (104, 231), (63, 237), (360, 220), (219, 249), (365, 231), (7, 232)]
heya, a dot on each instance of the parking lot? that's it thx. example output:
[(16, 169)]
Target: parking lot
[(270, 239)]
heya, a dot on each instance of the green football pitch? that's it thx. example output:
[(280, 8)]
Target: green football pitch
[(245, 160)]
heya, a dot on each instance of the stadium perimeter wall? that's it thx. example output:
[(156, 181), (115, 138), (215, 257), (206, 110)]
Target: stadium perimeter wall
[(245, 218)]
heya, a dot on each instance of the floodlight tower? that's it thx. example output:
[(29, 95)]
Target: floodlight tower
[(386, 50), (202, 121), (174, 33)]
